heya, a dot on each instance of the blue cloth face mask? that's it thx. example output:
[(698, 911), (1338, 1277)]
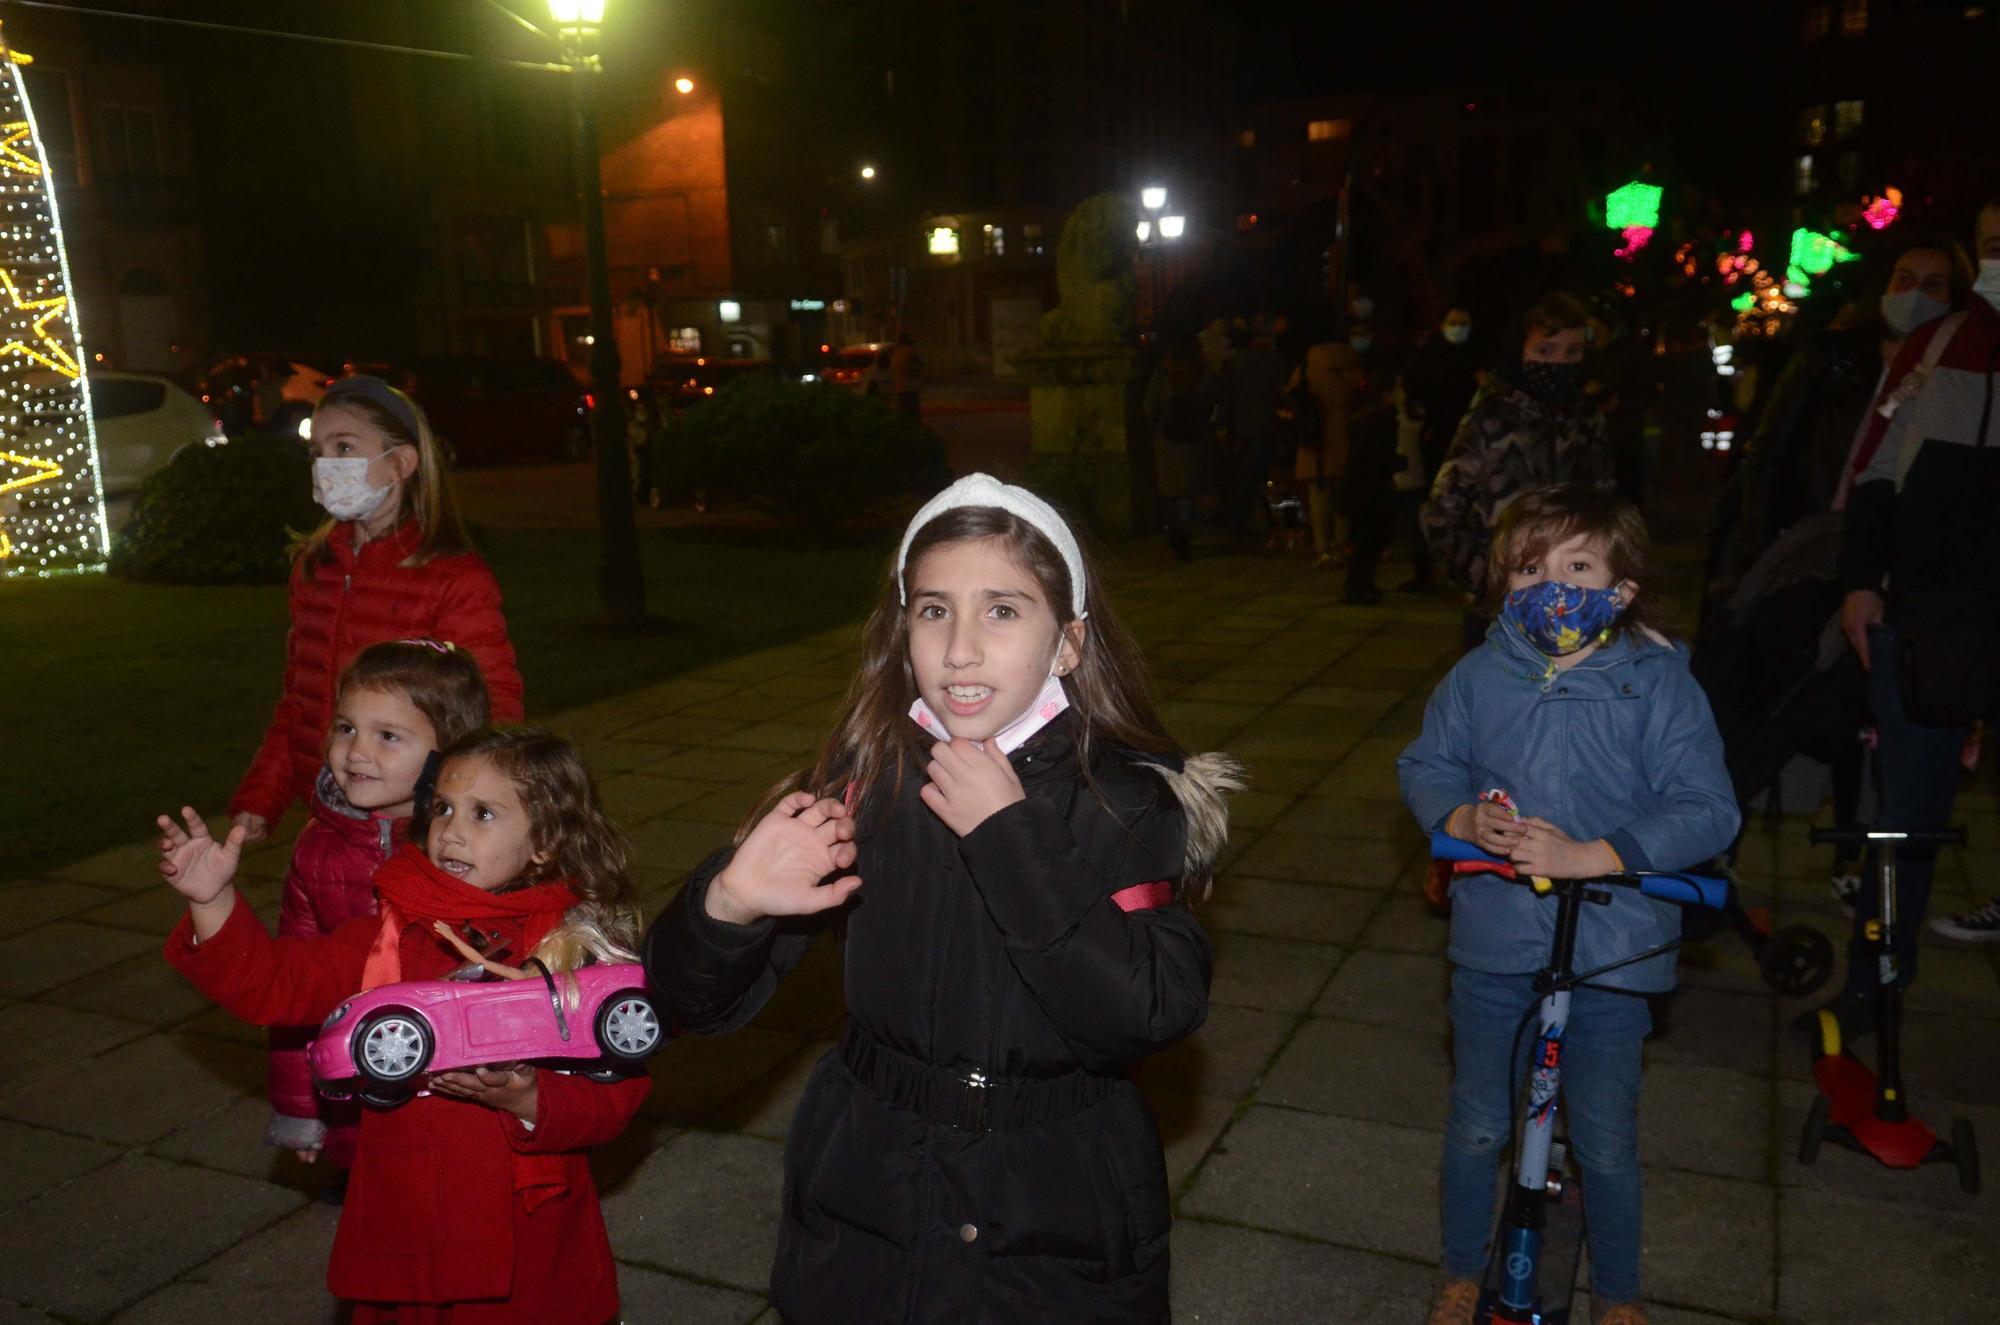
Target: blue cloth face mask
[(1557, 618)]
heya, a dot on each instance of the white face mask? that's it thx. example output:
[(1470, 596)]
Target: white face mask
[(341, 486), (1051, 701), (1988, 284)]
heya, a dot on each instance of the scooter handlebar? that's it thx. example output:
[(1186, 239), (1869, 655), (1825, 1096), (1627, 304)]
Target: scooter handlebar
[(1677, 887)]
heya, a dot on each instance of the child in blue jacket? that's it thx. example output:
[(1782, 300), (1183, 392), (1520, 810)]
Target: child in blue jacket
[(1588, 719)]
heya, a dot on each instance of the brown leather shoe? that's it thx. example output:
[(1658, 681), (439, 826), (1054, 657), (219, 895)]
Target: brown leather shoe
[(1455, 1302)]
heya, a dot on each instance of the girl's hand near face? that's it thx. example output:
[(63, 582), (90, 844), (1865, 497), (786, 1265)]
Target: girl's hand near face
[(200, 868), (778, 868), (969, 783), (509, 1087), (1549, 852)]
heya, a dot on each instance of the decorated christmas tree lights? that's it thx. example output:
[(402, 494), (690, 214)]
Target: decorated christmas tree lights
[(51, 491)]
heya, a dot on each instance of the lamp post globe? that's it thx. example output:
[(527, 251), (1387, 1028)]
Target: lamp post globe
[(1153, 197)]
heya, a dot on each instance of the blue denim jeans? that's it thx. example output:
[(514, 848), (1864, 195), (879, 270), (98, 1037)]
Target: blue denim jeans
[(1920, 773), (1600, 1090)]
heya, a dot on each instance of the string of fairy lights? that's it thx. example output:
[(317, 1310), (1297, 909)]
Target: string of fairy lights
[(51, 491)]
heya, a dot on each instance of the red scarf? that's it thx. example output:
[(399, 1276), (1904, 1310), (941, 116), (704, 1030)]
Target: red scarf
[(414, 891)]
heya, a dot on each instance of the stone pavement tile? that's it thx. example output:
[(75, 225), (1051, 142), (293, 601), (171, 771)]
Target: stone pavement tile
[(705, 1204), (1189, 1125), (1287, 672), (792, 739), (1365, 1185), (1840, 1172), (1281, 975), (675, 844), (713, 765), (1256, 808), (1724, 961), (1225, 1057), (1365, 773), (1852, 1262), (724, 805), (673, 695), (695, 1074), (215, 1024), (38, 1040), (1253, 696), (632, 798), (129, 867), (1315, 912), (231, 1139), (1397, 989), (1271, 737), (32, 902), (61, 951), (141, 988), (1406, 923), (1291, 775), (1373, 702), (152, 911), (603, 758), (1349, 817), (1717, 1028), (1227, 1276), (276, 1274), (1191, 708), (1709, 1243), (736, 709), (1954, 979), (94, 1245), (38, 1159), (1363, 673), (1707, 1119), (1357, 1071), (765, 1107), (1352, 863), (647, 1295), (138, 1091), (606, 718), (12, 1313)]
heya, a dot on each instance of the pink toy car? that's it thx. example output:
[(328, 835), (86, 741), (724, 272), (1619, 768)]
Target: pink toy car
[(380, 1041)]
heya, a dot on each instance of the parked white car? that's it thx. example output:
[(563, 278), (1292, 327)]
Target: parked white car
[(142, 421)]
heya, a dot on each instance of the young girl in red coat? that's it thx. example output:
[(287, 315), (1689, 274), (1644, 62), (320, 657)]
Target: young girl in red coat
[(398, 704), (392, 561), (1030, 837), (471, 1204)]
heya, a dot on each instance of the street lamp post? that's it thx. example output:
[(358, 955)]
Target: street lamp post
[(621, 585), (1154, 229)]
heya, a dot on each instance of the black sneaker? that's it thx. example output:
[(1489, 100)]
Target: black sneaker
[(1980, 926), (1850, 1010)]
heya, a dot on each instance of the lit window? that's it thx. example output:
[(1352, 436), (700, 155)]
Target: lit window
[(995, 237), (1846, 118), (1853, 18), (729, 310), (942, 241), (1325, 131), (1803, 179), (1246, 137), (684, 340), (1031, 239), (1812, 126)]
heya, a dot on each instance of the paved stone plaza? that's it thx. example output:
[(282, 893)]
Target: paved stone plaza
[(1302, 1122)]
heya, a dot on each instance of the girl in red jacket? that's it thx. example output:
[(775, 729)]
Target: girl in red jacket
[(399, 703), (471, 1204), (392, 561)]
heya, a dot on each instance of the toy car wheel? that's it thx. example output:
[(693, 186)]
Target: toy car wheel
[(1965, 1150), (1814, 1131), (612, 1069), (628, 1028), (1797, 960), (392, 1047), (387, 1097)]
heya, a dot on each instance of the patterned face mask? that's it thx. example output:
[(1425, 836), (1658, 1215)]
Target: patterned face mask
[(1559, 618)]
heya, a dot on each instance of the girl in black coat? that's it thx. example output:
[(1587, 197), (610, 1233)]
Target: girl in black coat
[(1029, 837)]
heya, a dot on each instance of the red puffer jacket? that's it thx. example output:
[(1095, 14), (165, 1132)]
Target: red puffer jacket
[(331, 881), (339, 608)]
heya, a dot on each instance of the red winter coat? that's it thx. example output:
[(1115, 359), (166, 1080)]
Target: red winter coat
[(343, 605), (433, 1215), (331, 881)]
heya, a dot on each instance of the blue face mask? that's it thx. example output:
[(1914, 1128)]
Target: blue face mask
[(1557, 618)]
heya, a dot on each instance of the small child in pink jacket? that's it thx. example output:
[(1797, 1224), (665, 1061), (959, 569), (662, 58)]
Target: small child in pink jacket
[(396, 705)]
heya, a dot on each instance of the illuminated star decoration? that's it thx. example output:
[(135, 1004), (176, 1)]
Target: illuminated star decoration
[(12, 157), (57, 358), (39, 471)]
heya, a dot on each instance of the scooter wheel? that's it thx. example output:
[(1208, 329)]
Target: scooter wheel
[(1797, 960), (1965, 1149), (1814, 1131)]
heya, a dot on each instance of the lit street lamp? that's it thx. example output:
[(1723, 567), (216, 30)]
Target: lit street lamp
[(1154, 230), (621, 585), (683, 85), (868, 172)]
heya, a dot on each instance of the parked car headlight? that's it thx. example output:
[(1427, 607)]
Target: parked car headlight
[(333, 1017)]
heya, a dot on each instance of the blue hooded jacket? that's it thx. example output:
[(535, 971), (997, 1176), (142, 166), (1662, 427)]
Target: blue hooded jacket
[(1620, 746)]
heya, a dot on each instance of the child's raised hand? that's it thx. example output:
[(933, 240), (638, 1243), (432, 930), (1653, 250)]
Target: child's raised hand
[(970, 782), (778, 868), (1548, 851), (1489, 826), (199, 867), (509, 1087), (255, 827)]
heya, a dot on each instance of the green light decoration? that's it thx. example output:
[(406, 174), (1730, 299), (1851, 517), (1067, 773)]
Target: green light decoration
[(1744, 302), (1814, 254), (51, 492), (1634, 206)]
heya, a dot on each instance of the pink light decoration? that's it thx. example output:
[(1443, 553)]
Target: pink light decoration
[(1880, 212), (1636, 238), (1745, 242)]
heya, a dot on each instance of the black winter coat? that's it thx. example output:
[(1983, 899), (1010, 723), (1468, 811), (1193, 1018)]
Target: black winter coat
[(1002, 952)]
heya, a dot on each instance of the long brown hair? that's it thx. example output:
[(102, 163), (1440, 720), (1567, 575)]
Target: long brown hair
[(1106, 689), (567, 824), (1544, 518), (426, 497)]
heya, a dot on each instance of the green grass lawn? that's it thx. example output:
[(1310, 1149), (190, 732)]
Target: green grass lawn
[(123, 700)]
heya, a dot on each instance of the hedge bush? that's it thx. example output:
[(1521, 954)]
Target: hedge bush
[(825, 456), (220, 515)]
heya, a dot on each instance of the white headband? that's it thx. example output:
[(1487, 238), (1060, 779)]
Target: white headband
[(984, 490)]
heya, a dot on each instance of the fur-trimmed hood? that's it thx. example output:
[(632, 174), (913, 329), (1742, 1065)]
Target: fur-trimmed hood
[(1203, 785)]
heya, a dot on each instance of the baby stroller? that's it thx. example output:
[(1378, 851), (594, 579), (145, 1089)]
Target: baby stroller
[(1783, 683)]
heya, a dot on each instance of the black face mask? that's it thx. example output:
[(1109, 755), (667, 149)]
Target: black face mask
[(1556, 383)]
